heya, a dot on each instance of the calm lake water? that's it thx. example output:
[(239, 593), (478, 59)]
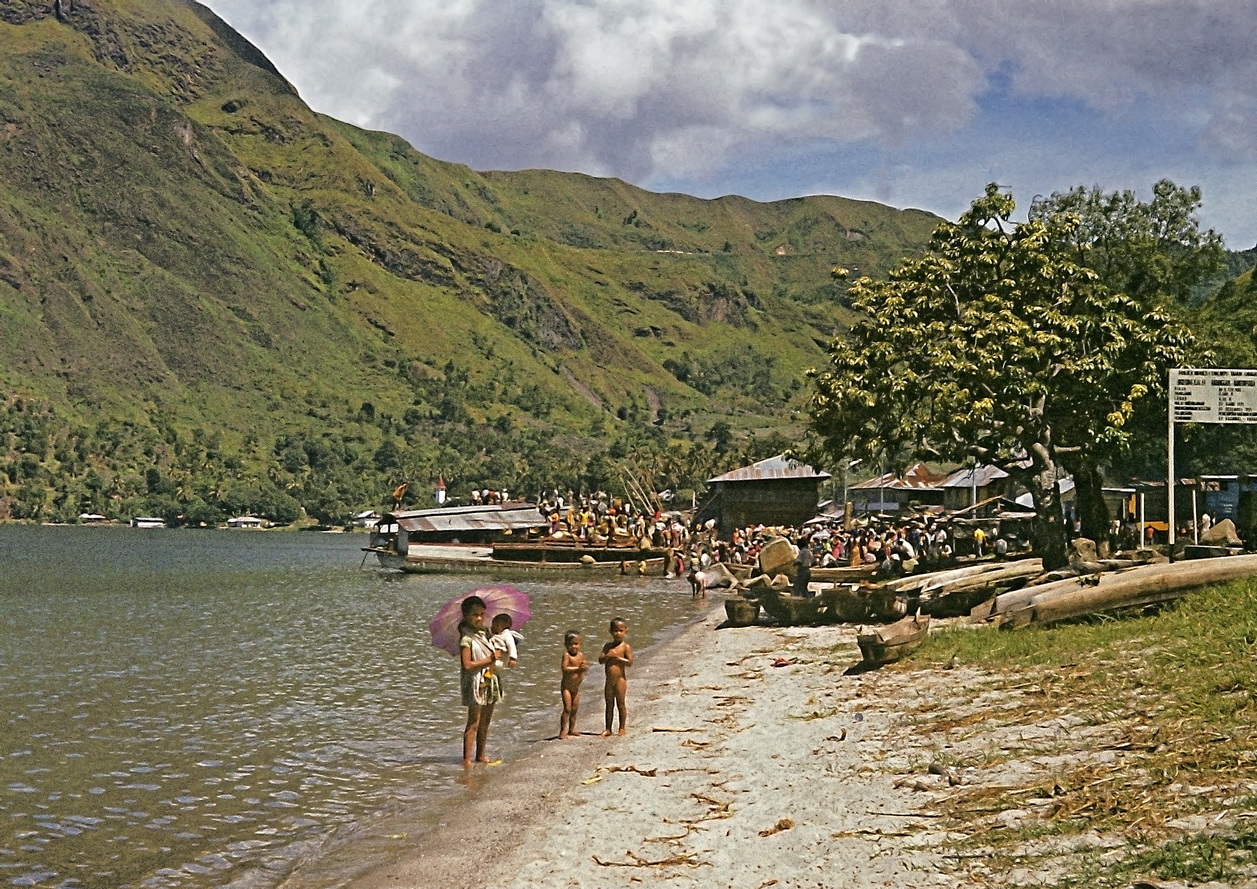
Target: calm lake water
[(227, 708)]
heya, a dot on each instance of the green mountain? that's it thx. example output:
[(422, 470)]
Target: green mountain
[(213, 299)]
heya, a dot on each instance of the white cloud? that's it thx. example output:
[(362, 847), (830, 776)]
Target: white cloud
[(664, 90)]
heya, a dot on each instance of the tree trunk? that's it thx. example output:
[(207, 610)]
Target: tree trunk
[(1050, 540), (1089, 499)]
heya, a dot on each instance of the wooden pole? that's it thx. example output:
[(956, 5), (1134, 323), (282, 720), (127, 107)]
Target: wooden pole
[(1169, 488)]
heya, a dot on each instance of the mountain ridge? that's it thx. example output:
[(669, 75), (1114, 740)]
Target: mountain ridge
[(194, 259)]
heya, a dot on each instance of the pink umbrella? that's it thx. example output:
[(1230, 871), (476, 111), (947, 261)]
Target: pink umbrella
[(501, 599)]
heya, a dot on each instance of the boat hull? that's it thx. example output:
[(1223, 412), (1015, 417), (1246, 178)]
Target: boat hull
[(468, 564), (885, 645), (556, 551)]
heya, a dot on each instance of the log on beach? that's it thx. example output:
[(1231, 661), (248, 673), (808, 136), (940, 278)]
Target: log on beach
[(1080, 596), (955, 591)]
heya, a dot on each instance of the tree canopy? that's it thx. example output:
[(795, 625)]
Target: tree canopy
[(999, 345), (1152, 252)]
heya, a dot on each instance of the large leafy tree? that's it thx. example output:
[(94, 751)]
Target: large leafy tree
[(1156, 253), (997, 344)]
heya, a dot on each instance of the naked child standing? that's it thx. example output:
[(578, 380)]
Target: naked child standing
[(574, 669), (616, 658)]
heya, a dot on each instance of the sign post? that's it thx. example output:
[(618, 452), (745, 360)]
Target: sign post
[(1208, 395)]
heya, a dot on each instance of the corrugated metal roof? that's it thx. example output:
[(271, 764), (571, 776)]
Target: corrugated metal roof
[(916, 478), (507, 516), (964, 478), (774, 468)]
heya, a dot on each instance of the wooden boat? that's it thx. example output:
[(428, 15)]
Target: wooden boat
[(838, 604), (858, 603), (456, 559), (844, 574), (884, 645), (741, 612), (791, 610), (571, 550)]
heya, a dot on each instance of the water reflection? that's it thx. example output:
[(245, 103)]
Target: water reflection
[(208, 708)]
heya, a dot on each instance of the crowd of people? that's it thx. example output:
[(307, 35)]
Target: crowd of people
[(895, 549)]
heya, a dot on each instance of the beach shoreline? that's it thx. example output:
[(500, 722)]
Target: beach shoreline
[(750, 758)]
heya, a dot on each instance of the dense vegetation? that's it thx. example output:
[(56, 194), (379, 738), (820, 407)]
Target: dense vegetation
[(213, 300)]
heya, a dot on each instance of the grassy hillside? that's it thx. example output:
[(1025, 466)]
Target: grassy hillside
[(213, 299)]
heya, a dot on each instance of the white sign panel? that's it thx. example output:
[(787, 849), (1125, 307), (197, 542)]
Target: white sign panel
[(1213, 395)]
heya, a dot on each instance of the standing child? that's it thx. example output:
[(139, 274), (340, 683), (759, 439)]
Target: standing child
[(616, 657), (479, 692), (574, 668)]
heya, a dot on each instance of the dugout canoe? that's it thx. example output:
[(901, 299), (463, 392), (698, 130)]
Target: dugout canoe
[(884, 645)]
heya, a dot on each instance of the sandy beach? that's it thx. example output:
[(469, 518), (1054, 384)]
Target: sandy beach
[(753, 759), (738, 769)]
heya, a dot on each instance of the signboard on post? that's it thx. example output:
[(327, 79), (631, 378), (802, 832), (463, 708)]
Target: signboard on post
[(1208, 395), (1213, 395)]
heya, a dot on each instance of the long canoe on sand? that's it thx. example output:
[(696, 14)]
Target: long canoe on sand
[(837, 604), (883, 645)]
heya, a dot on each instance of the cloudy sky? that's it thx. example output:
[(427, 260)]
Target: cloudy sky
[(915, 103)]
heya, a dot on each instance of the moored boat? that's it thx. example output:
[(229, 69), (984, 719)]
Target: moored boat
[(884, 645), (567, 549), (457, 558)]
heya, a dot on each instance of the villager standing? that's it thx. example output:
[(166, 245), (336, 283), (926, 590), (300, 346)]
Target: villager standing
[(803, 568)]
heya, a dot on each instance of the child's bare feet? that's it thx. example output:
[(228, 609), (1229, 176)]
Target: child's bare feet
[(562, 736), (622, 732), (605, 734)]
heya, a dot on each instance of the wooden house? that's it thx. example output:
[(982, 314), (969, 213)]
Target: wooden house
[(776, 491)]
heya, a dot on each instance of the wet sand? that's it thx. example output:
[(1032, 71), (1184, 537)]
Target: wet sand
[(751, 760)]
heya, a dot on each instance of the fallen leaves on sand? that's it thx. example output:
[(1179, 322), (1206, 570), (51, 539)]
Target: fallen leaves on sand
[(690, 859), (783, 662), (816, 714), (648, 773), (874, 832), (717, 810), (782, 824), (695, 745)]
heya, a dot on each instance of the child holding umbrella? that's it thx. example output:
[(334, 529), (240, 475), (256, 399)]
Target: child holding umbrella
[(480, 688)]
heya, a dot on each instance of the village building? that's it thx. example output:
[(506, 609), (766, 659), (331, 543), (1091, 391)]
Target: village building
[(776, 491), (367, 519), (974, 484), (889, 493)]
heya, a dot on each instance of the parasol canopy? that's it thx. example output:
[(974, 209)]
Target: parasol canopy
[(500, 599)]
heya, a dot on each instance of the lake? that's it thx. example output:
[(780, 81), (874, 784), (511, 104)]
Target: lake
[(235, 708)]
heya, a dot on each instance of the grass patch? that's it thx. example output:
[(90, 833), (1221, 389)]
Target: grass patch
[(1142, 722)]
